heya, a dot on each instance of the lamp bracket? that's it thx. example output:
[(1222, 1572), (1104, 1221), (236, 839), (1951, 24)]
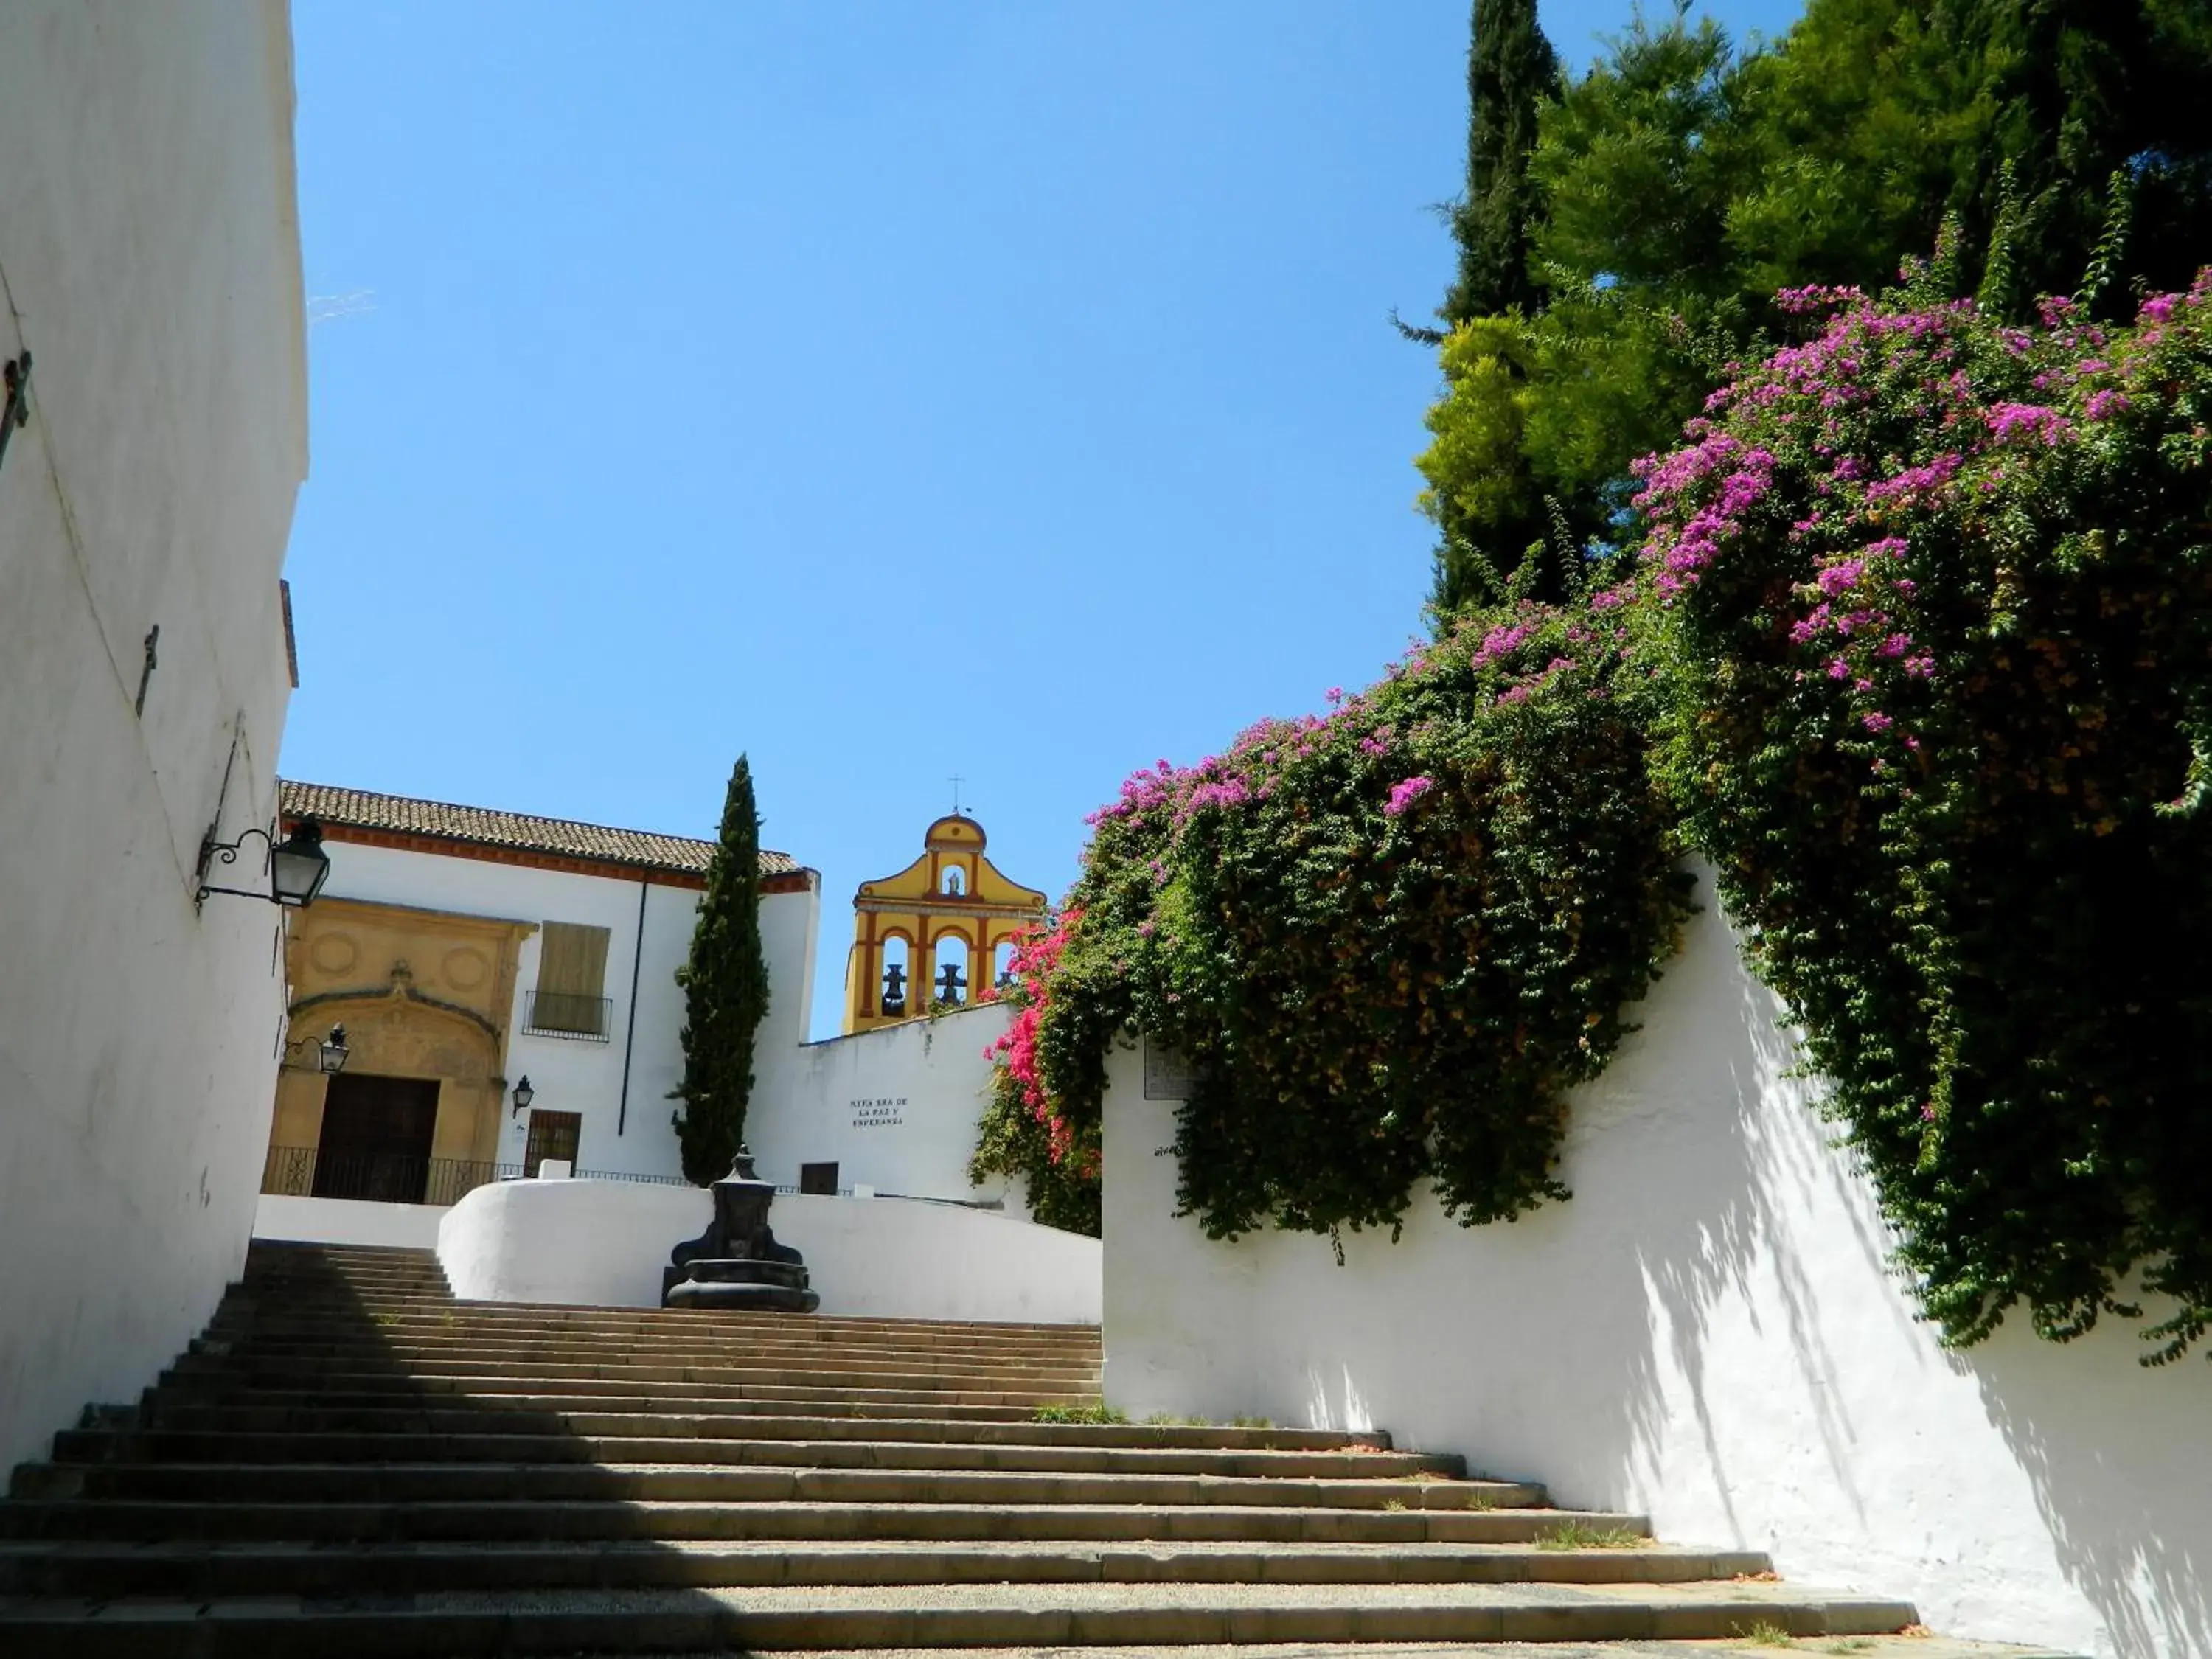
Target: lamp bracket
[(225, 852)]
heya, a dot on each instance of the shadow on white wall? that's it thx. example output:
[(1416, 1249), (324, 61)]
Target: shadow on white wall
[(1709, 1331)]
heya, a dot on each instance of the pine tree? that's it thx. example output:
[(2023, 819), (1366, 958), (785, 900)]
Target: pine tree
[(1510, 69), (2091, 99), (725, 992)]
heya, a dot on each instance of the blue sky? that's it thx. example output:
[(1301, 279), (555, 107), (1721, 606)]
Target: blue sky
[(888, 390)]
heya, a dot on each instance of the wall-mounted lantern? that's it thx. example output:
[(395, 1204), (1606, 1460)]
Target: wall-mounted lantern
[(330, 1054), (524, 1094), (298, 866)]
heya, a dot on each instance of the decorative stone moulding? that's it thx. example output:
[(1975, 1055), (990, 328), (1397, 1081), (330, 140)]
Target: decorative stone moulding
[(736, 1262)]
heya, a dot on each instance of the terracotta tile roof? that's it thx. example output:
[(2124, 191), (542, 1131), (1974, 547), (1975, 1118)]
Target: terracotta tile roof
[(481, 826)]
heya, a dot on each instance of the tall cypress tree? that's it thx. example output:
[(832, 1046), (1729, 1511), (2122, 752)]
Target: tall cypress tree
[(1510, 69), (724, 992)]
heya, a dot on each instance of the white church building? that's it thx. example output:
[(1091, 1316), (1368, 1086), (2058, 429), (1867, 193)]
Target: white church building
[(505, 989)]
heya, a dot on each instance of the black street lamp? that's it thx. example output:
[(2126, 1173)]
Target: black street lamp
[(330, 1054), (524, 1094), (298, 866)]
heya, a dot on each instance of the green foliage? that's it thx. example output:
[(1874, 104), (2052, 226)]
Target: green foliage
[(726, 993), (1510, 69), (1100, 1412), (1930, 606), (1682, 181), (1022, 1134), (1389, 940), (1581, 1535)]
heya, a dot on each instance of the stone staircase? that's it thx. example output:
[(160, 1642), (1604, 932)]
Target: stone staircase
[(350, 1462)]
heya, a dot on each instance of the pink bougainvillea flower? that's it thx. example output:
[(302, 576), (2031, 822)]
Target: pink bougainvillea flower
[(1403, 795)]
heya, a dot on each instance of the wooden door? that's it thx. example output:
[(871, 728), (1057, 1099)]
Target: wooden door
[(376, 1137)]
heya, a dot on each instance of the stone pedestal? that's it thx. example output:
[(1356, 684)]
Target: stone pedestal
[(736, 1262)]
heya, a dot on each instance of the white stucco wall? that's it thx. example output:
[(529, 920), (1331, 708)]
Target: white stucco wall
[(1707, 1332), (896, 1109), (603, 1243), (586, 1078), (150, 260), (349, 1221)]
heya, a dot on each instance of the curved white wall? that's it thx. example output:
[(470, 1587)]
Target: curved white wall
[(349, 1221), (1707, 1331), (603, 1243)]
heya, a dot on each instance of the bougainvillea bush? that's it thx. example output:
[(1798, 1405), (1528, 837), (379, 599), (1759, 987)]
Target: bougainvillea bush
[(1387, 940), (1025, 1131), (1930, 599)]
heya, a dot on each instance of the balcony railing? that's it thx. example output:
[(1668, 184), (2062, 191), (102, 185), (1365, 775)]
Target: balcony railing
[(565, 1014), (400, 1177)]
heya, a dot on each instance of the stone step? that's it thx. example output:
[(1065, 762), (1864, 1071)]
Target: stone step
[(553, 1483), (730, 1368), (561, 1394), (447, 1318), (336, 1298), (315, 1414), (906, 1403), (825, 1382), (828, 1616), (671, 1379), (820, 1327), (1913, 1644), (445, 1445), (407, 1349), (444, 1327), (173, 1522), (215, 1571)]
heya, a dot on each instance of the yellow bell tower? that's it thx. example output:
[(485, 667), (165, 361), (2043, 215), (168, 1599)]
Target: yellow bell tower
[(934, 931)]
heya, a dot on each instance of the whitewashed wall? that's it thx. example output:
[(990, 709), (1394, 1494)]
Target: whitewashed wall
[(603, 1243), (150, 260), (349, 1221), (586, 1078), (1706, 1332), (896, 1109)]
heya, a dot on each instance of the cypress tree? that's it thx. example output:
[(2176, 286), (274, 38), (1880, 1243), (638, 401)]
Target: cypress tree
[(724, 992), (1510, 70)]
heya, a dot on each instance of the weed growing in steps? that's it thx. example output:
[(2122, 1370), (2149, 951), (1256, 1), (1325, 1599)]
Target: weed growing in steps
[(1767, 1635), (1580, 1535), (1100, 1412)]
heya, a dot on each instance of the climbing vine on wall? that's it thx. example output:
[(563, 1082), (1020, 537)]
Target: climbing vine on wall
[(1917, 647), (1929, 603), (1387, 939)]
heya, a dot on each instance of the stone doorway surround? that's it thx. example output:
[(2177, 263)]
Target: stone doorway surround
[(423, 994)]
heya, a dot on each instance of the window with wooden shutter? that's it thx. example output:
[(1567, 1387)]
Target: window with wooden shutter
[(570, 999)]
